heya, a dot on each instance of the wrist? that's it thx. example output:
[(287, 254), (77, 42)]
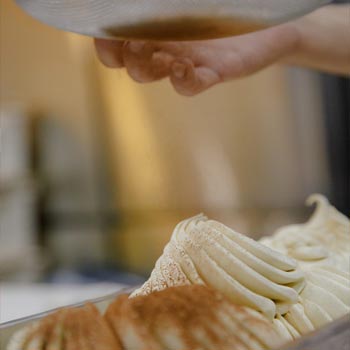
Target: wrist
[(322, 40)]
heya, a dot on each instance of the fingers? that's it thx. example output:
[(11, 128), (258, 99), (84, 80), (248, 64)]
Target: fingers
[(189, 80), (195, 66), (145, 63), (110, 52)]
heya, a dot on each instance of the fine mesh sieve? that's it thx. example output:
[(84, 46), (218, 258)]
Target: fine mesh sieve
[(166, 19)]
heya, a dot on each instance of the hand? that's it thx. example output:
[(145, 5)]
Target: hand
[(195, 66), (318, 40)]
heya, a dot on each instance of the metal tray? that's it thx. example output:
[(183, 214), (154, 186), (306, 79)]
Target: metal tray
[(335, 336), (166, 20)]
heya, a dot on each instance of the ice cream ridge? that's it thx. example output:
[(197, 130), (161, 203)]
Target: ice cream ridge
[(298, 278), (207, 252)]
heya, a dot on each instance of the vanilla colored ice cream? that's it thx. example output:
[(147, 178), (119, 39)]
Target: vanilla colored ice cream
[(207, 252), (298, 278)]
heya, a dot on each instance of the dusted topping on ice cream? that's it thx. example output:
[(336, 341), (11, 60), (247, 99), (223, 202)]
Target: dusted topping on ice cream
[(186, 317), (190, 317), (244, 270), (323, 240), (75, 328)]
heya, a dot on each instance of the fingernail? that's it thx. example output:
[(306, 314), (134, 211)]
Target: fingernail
[(179, 70), (136, 46)]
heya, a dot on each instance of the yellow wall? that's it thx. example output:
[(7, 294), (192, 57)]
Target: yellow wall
[(43, 69), (227, 147)]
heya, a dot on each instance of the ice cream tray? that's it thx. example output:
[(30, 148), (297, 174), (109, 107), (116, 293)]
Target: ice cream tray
[(335, 336)]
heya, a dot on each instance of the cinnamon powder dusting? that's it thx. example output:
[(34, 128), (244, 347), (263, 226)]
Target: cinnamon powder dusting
[(185, 28)]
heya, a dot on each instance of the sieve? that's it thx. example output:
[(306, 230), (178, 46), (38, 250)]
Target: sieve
[(166, 19)]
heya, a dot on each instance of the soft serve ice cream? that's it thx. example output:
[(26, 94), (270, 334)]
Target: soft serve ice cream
[(207, 252), (298, 278), (322, 248), (324, 240)]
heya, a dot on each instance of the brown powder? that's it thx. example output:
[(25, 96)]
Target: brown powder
[(185, 28), (192, 314), (178, 310), (74, 329)]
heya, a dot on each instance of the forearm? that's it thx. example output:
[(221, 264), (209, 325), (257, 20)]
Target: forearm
[(324, 40)]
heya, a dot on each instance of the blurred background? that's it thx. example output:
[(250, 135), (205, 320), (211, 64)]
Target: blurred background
[(96, 170)]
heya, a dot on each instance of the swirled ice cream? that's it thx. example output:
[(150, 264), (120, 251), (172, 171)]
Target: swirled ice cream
[(322, 248), (325, 298), (203, 251), (323, 240), (299, 276)]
